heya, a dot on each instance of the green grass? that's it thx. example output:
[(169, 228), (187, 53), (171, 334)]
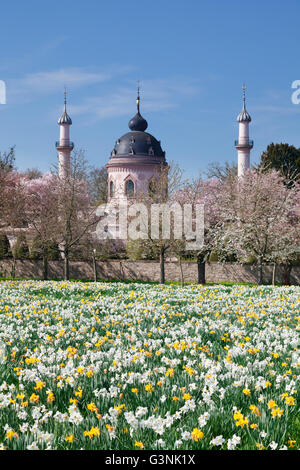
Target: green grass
[(137, 281)]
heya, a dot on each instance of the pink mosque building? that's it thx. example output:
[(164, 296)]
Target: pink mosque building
[(137, 156)]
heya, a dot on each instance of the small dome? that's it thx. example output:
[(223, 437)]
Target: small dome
[(138, 123), (64, 119), (244, 116)]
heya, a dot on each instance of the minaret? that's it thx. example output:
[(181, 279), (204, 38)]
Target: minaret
[(244, 144), (64, 145)]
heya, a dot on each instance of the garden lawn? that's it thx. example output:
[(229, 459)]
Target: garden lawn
[(137, 366)]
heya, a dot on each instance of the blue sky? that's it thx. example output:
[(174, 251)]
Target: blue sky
[(191, 57)]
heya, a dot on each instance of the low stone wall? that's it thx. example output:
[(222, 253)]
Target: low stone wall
[(145, 271)]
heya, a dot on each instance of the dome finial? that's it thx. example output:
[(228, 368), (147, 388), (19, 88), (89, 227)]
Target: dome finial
[(138, 123), (244, 95), (65, 118), (65, 99), (244, 116), (138, 97)]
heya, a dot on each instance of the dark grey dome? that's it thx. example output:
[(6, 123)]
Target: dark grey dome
[(138, 123), (137, 143)]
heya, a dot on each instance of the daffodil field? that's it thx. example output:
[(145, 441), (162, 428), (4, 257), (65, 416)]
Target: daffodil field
[(140, 366)]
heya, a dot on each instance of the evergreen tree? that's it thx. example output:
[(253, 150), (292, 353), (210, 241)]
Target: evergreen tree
[(21, 250), (38, 250), (53, 251), (5, 250), (284, 158)]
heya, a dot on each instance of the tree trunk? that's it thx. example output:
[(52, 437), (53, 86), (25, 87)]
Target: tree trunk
[(13, 268), (162, 265), (66, 266), (95, 268), (45, 267), (181, 271), (274, 274), (260, 270), (201, 269)]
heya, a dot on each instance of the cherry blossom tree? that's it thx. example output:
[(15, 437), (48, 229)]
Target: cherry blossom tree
[(76, 211), (205, 192), (255, 214), (11, 199), (164, 185), (286, 243), (40, 211)]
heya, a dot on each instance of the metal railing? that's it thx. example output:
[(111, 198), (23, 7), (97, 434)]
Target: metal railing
[(67, 144), (248, 143)]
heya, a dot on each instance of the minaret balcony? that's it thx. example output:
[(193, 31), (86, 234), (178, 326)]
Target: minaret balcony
[(245, 143), (61, 144)]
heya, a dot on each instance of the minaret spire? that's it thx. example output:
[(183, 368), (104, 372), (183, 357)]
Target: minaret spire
[(244, 144), (64, 145)]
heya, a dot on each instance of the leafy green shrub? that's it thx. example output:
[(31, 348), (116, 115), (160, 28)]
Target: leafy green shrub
[(213, 257), (142, 249)]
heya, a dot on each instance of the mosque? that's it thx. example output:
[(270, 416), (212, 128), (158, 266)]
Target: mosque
[(137, 156)]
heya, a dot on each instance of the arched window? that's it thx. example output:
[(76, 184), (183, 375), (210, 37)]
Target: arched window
[(129, 188), (111, 189)]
